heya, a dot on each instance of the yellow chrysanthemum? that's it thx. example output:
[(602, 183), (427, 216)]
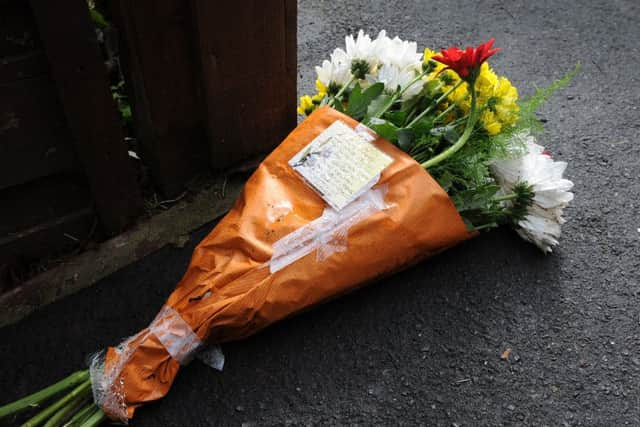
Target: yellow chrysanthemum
[(446, 78), (317, 98), (309, 103), (496, 96), (428, 54), (460, 96), (501, 108), (485, 83), (490, 122), (321, 87), (505, 104), (306, 105)]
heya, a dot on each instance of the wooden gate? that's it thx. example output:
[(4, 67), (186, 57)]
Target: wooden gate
[(210, 83)]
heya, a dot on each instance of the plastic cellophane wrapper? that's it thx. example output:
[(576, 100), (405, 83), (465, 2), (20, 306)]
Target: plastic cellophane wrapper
[(279, 251)]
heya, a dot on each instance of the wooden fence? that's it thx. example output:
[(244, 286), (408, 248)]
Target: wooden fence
[(210, 83)]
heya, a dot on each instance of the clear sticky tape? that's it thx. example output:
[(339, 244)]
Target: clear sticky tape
[(175, 334), (212, 356), (327, 234), (365, 132), (106, 384)]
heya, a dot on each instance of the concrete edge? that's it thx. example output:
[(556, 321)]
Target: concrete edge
[(170, 227)]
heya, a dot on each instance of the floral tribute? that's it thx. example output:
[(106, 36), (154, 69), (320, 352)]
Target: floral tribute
[(461, 121), (443, 149)]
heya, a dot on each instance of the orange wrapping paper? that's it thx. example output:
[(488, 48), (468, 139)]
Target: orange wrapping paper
[(228, 293)]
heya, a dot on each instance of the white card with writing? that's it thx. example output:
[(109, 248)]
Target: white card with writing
[(340, 164)]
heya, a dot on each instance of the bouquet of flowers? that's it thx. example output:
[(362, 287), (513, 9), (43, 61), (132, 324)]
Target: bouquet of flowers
[(461, 121), (403, 155)]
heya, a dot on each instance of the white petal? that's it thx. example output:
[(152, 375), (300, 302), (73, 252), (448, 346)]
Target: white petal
[(551, 191)]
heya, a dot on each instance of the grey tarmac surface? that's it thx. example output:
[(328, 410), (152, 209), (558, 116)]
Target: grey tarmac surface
[(424, 347)]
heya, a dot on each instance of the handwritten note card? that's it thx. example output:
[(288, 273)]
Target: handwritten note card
[(340, 164)]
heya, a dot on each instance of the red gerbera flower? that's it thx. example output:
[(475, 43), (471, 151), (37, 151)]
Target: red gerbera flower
[(464, 62)]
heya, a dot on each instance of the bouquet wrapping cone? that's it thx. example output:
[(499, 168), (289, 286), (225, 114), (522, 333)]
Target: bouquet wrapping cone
[(246, 275)]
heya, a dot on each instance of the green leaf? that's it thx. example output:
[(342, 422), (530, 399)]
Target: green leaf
[(411, 104), (377, 106), (446, 181), (529, 106), (98, 18), (396, 117), (423, 126), (449, 133), (405, 138), (542, 95), (431, 87), (337, 105), (359, 101), (385, 129), (125, 112)]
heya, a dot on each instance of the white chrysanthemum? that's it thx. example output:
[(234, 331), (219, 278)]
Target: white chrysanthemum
[(400, 53), (362, 47), (335, 71), (393, 77), (552, 194), (391, 61), (338, 69)]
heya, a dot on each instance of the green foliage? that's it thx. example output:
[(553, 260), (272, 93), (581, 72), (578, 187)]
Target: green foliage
[(98, 19), (359, 100), (385, 129), (530, 105), (464, 174), (398, 117), (377, 106), (96, 16), (117, 92), (517, 210), (478, 208)]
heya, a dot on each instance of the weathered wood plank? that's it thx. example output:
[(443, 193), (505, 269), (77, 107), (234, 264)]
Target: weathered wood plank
[(170, 227), (34, 137), (21, 53), (249, 75), (41, 219), (159, 61), (23, 66), (76, 64), (18, 29), (35, 202)]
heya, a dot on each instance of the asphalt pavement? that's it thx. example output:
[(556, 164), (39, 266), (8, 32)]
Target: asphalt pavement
[(488, 333)]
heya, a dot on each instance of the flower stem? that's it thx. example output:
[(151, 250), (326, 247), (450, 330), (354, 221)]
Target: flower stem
[(471, 122), (506, 197), (444, 113), (67, 411), (37, 398), (484, 226), (459, 121), (341, 91), (435, 104), (95, 419), (398, 94), (81, 416), (81, 390)]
